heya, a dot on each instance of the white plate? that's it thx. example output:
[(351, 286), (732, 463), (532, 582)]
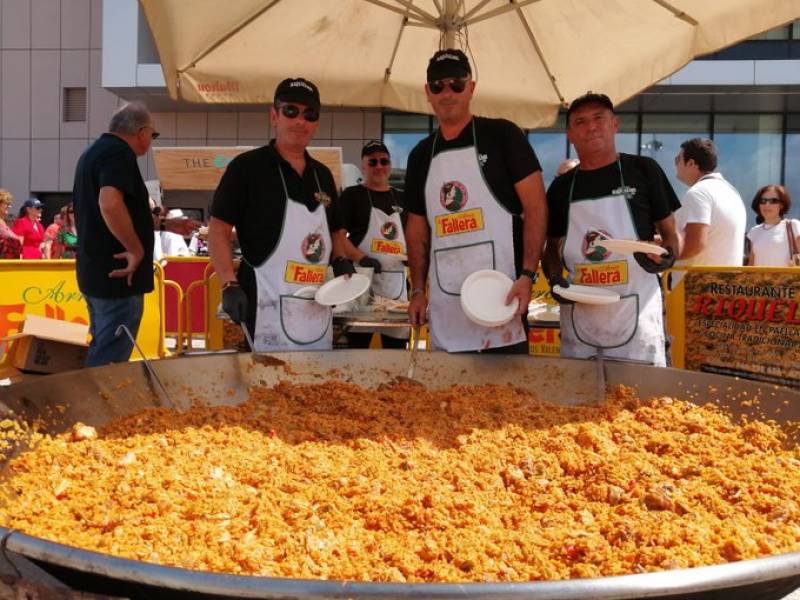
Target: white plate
[(308, 291), (631, 246), (483, 298), (587, 294), (340, 290)]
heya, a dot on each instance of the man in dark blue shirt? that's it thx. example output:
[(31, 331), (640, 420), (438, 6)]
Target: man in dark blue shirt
[(115, 247)]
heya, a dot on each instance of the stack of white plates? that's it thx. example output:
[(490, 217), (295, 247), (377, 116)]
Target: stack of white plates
[(483, 298)]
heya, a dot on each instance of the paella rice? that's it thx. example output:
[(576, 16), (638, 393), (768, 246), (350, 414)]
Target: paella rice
[(483, 483)]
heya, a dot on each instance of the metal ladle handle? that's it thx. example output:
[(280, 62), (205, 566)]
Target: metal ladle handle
[(124, 328), (248, 337)]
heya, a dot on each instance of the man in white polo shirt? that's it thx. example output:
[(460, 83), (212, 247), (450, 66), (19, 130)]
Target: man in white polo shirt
[(712, 218)]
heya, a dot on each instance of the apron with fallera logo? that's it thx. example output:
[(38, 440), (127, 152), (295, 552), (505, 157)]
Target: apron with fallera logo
[(631, 328), (470, 230), (285, 322)]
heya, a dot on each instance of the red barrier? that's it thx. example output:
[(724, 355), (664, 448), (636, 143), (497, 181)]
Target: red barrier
[(185, 271)]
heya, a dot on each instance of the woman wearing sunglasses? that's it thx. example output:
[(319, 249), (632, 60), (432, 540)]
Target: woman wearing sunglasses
[(29, 226), (774, 242)]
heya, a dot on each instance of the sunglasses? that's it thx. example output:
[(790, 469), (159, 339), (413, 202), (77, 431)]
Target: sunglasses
[(154, 133), (455, 85), (373, 162), (290, 111), (769, 201)]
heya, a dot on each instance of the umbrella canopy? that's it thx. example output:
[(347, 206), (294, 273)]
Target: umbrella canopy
[(529, 57)]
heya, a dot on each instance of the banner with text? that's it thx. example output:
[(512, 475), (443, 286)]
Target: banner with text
[(49, 288), (745, 324)]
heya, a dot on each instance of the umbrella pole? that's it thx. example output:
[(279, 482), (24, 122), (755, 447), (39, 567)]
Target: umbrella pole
[(449, 23)]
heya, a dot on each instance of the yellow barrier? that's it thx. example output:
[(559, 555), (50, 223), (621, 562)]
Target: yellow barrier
[(181, 330), (49, 288)]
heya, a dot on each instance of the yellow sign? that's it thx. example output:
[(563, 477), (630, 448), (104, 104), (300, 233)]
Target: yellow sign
[(544, 341), (605, 273), (379, 246), (460, 222), (743, 323), (49, 288), (304, 273)]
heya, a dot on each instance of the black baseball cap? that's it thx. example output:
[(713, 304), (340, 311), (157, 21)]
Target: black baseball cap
[(448, 63), (374, 146), (590, 98), (297, 90)]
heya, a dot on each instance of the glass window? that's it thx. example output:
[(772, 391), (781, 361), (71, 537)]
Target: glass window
[(550, 146), (780, 33), (662, 136), (796, 30), (749, 148), (792, 162), (401, 132)]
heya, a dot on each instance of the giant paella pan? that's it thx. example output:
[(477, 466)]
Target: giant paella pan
[(124, 402)]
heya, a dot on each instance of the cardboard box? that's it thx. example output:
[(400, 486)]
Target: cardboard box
[(47, 346)]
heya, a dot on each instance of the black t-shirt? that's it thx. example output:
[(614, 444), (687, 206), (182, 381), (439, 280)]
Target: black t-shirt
[(110, 161), (356, 207), (250, 196), (507, 158), (653, 200)]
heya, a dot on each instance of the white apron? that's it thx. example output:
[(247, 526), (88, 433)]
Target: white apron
[(285, 322), (631, 328), (470, 230), (385, 241)]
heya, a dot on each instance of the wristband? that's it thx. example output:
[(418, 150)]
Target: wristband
[(416, 291), (534, 276)]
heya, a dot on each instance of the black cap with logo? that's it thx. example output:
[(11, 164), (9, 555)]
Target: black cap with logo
[(298, 90), (374, 146), (448, 63), (590, 98)]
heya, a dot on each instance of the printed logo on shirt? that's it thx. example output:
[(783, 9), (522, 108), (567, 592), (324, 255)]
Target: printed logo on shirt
[(453, 195), (592, 245), (297, 272), (609, 273), (389, 230), (463, 222), (379, 246), (313, 247), (482, 158)]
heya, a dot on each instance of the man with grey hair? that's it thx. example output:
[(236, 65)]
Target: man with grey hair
[(115, 247)]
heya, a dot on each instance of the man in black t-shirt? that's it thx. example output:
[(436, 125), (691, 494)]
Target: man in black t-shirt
[(114, 260), (375, 223), (608, 196), (468, 187), (288, 221)]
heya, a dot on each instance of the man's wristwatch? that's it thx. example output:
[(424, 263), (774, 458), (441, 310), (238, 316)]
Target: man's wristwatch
[(534, 276)]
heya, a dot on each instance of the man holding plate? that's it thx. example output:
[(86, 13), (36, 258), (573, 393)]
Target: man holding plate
[(284, 206), (609, 196), (475, 199)]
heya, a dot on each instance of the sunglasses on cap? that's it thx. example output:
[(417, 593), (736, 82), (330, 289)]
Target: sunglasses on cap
[(769, 200), (456, 85), (291, 111), (373, 162)]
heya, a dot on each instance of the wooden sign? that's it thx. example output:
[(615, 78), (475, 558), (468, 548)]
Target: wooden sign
[(201, 167), (744, 324)]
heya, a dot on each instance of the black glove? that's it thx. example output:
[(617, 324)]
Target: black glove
[(559, 280), (370, 263), (342, 266), (234, 303), (649, 265)]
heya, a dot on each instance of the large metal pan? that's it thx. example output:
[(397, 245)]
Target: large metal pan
[(95, 396)]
